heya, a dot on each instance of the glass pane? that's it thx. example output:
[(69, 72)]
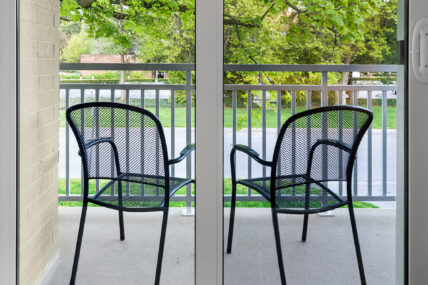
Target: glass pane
[(140, 54), (283, 58)]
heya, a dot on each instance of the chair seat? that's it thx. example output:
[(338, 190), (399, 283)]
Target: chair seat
[(139, 192), (291, 194)]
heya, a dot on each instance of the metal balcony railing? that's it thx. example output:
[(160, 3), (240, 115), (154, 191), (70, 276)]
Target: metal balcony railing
[(376, 160)]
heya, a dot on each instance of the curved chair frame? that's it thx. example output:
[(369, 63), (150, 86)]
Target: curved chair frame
[(84, 156), (352, 150)]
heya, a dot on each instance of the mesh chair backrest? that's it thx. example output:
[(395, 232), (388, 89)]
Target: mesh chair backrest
[(300, 133), (137, 134)]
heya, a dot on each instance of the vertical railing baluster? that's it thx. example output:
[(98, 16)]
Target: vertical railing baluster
[(278, 126), (308, 123), (293, 141), (369, 148), (97, 147), (157, 141), (234, 107), (188, 139), (355, 103), (112, 126), (384, 141), (142, 153), (324, 129), (157, 98), (67, 146), (172, 130), (264, 131), (340, 127), (278, 112), (249, 110), (82, 119), (127, 141)]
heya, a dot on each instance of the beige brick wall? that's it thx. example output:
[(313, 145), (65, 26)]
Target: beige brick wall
[(39, 103)]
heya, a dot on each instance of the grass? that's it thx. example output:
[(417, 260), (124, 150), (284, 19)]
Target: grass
[(75, 187), (180, 117)]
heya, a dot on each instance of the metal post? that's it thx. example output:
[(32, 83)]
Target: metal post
[(324, 130), (67, 147), (369, 148), (249, 115), (384, 141), (278, 111), (172, 130), (189, 211), (355, 175)]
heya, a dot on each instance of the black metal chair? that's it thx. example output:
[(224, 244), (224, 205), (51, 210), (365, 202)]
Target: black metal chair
[(124, 148), (315, 148)]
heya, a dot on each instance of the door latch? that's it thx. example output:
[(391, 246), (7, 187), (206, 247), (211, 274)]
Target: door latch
[(420, 50)]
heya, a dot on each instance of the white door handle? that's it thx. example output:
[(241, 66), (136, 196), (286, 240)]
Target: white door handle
[(419, 50)]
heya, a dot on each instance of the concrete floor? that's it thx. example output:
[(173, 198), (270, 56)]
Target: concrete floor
[(328, 256)]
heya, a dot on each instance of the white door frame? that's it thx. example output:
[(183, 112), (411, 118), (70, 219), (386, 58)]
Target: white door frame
[(209, 142), (8, 83), (418, 162), (401, 231)]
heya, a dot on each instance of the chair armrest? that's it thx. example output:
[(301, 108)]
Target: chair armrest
[(185, 152), (94, 142), (335, 143), (252, 153), (108, 140), (339, 144)]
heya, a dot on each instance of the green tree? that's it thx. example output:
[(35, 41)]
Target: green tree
[(256, 31), (77, 45)]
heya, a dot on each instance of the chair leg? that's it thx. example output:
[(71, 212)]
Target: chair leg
[(161, 247), (278, 246), (232, 218), (305, 227), (357, 244), (79, 243), (121, 225), (306, 218)]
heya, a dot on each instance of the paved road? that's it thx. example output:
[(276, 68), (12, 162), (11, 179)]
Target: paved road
[(75, 171)]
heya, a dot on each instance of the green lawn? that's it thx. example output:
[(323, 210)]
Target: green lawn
[(180, 117), (75, 187)]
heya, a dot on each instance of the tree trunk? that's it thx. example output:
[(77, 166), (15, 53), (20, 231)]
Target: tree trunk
[(122, 79), (346, 79)]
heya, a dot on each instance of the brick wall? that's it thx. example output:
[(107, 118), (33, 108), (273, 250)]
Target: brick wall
[(39, 136), (103, 58)]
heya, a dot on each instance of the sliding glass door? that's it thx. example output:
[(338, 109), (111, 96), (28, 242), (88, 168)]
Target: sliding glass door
[(284, 59)]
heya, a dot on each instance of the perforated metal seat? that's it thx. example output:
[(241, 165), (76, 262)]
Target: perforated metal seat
[(293, 197), (142, 192), (123, 147), (315, 149)]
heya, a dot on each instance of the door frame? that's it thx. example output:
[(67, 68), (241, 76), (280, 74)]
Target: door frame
[(209, 142), (418, 161), (8, 143)]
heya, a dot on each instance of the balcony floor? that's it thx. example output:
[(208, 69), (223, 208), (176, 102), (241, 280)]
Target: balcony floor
[(328, 256)]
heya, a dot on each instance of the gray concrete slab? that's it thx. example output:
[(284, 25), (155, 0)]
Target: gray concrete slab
[(328, 256), (107, 260)]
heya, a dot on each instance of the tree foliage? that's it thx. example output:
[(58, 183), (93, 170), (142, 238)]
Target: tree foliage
[(256, 31), (77, 45)]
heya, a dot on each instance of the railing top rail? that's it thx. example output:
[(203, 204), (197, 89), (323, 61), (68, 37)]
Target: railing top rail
[(103, 86), (232, 67), (311, 67), (232, 87)]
